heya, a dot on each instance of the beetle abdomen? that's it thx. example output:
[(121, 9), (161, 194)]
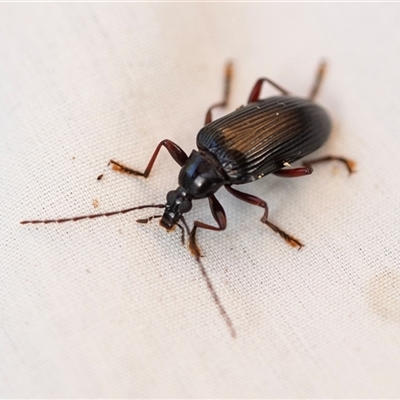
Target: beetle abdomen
[(261, 137)]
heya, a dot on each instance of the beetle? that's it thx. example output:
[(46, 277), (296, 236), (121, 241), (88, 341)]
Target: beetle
[(260, 138)]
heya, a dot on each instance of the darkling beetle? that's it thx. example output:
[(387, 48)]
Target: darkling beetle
[(263, 137)]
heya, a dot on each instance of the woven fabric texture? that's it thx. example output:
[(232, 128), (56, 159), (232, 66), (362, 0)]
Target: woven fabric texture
[(110, 308)]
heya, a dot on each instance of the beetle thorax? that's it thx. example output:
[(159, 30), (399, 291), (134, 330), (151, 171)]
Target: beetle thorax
[(200, 176)]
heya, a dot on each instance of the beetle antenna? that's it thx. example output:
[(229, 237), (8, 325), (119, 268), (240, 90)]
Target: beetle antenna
[(91, 216), (148, 219), (216, 299)]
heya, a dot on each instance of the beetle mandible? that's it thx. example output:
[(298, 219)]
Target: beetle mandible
[(262, 137)]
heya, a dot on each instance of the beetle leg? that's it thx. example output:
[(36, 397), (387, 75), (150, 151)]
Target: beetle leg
[(255, 93), (318, 79), (176, 152), (220, 217), (256, 201), (227, 89), (350, 165), (294, 172)]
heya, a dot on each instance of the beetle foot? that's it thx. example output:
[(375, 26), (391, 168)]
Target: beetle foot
[(288, 239), (116, 166), (351, 166)]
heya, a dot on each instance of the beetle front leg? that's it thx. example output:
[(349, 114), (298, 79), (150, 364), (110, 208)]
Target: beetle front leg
[(256, 201), (176, 152), (220, 217)]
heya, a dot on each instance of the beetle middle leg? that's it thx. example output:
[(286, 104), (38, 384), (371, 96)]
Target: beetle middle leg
[(350, 165), (220, 217), (256, 201), (294, 172), (307, 169), (174, 150), (255, 93)]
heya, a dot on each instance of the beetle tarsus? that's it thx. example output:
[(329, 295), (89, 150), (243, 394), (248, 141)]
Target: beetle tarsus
[(116, 166), (288, 239)]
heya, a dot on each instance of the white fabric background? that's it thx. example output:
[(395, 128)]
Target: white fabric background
[(110, 308)]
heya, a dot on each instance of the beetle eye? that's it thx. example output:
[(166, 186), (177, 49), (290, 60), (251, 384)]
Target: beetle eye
[(185, 206)]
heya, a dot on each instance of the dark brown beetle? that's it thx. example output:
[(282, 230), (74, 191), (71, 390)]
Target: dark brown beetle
[(260, 138)]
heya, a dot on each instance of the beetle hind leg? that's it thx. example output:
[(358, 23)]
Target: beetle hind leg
[(318, 80), (227, 90), (256, 201), (256, 91)]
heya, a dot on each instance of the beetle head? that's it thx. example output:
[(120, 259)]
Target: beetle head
[(177, 204)]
